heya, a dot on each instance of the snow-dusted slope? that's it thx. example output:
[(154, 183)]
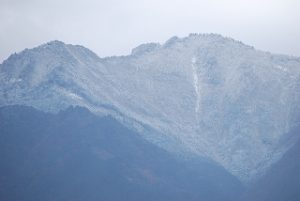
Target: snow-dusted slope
[(218, 97)]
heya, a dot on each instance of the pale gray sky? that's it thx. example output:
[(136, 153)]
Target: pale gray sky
[(114, 27)]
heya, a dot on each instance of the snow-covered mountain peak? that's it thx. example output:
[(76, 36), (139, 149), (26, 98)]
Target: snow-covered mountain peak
[(34, 64), (55, 43), (145, 48), (215, 96), (195, 40)]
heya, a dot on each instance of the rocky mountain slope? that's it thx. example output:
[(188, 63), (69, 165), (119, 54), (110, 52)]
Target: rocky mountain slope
[(282, 180), (213, 96), (76, 155)]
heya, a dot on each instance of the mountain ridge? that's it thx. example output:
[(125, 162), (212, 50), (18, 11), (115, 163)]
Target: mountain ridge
[(191, 35), (75, 154), (207, 92)]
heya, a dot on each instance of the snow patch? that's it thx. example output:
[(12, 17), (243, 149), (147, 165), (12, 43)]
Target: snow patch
[(196, 85), (281, 68)]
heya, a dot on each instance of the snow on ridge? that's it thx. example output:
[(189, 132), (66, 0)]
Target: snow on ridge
[(145, 48), (242, 99)]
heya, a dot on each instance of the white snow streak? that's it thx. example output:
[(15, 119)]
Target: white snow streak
[(281, 68), (196, 85)]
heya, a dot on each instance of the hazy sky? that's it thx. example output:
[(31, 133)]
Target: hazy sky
[(114, 27)]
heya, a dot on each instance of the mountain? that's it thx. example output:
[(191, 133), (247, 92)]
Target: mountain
[(207, 94), (282, 180), (76, 155)]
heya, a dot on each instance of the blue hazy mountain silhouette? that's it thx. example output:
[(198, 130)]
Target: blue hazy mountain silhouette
[(75, 155)]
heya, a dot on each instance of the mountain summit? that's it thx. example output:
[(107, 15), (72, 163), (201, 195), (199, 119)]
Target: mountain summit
[(215, 96)]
